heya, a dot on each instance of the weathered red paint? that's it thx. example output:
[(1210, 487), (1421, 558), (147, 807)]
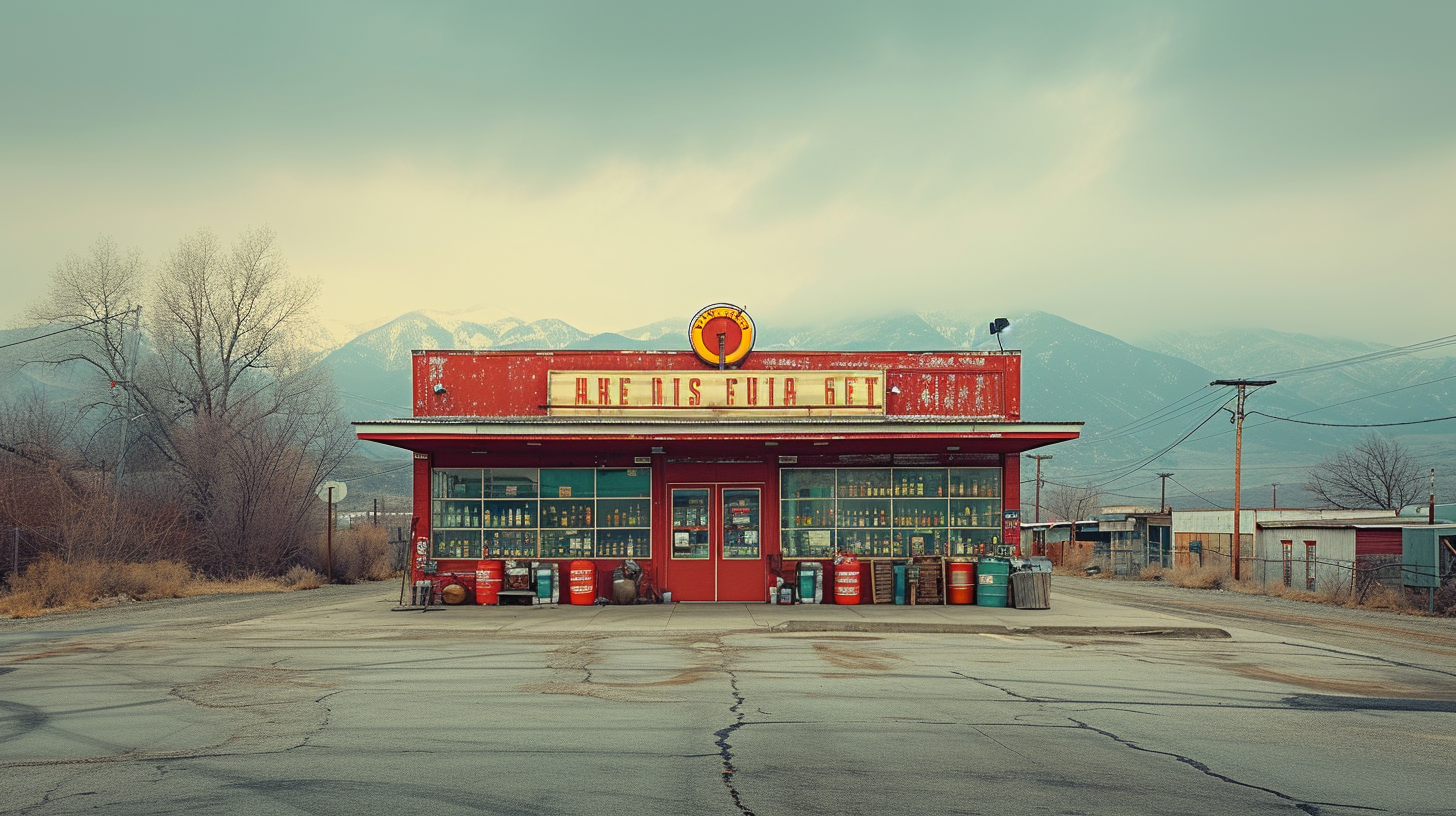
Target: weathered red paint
[(513, 383), (1378, 541)]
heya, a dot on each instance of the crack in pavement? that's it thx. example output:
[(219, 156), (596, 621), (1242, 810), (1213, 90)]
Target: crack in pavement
[(1312, 808), (725, 748), (1399, 663)]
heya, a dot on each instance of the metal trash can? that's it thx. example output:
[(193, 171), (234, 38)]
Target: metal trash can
[(1031, 590)]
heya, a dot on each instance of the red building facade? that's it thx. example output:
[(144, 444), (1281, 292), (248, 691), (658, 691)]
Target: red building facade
[(716, 480)]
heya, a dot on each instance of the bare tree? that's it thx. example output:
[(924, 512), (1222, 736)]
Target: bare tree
[(1071, 503), (221, 395), (1377, 472)]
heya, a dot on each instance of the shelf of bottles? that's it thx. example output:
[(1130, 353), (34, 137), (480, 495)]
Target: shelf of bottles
[(889, 512), (541, 513)]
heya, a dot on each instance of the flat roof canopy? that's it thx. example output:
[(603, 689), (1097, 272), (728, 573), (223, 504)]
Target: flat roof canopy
[(827, 436)]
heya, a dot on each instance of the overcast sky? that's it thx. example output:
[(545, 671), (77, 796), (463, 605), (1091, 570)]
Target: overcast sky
[(1130, 166)]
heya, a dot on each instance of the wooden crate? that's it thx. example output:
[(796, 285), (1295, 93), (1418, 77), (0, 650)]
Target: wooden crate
[(882, 582), (931, 587)]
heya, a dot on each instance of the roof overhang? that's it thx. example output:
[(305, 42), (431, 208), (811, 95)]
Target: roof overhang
[(910, 434)]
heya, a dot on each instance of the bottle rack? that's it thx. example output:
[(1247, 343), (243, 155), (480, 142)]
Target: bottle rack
[(550, 513), (890, 512)]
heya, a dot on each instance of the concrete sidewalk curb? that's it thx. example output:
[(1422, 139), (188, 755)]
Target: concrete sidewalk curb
[(1183, 632)]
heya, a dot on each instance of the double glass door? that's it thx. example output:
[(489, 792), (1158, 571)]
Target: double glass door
[(717, 543)]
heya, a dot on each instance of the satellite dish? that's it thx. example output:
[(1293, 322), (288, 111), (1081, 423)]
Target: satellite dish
[(340, 489)]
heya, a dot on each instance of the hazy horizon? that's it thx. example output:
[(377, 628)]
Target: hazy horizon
[(1130, 166)]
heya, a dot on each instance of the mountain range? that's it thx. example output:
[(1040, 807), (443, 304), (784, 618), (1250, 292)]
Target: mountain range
[(1142, 403)]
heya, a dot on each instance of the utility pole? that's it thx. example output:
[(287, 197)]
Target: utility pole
[(1038, 458), (1276, 495), (1163, 496), (1431, 519), (1238, 420)]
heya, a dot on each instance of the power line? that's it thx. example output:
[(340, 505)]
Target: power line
[(1425, 345), (68, 328), (1155, 457), (380, 473), (1194, 406), (1352, 424), (372, 399), (1198, 495), (1169, 407)]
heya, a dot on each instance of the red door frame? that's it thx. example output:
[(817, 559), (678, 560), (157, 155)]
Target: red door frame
[(716, 578)]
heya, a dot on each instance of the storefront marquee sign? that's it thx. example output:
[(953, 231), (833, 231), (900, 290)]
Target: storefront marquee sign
[(724, 327), (679, 393)]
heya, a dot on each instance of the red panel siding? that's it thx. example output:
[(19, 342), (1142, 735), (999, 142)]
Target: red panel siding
[(1378, 542), (513, 383)]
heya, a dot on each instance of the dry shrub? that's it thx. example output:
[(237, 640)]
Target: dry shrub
[(300, 577), (54, 585), (1074, 560), (1446, 600), (360, 554), (1383, 597), (1200, 578), (1153, 572)]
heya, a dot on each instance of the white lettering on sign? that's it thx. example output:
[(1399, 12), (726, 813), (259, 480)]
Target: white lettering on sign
[(761, 393)]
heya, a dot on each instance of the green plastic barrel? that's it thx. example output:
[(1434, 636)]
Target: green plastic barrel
[(807, 576), (992, 576)]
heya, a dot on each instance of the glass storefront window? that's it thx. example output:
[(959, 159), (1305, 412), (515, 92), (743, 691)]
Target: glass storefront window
[(741, 523), (890, 512), (690, 523), (457, 483), (547, 513)]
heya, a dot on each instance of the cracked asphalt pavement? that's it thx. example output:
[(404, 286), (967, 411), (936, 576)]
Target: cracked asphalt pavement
[(251, 705)]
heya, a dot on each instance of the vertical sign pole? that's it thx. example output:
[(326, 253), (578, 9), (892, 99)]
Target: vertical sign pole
[(329, 552)]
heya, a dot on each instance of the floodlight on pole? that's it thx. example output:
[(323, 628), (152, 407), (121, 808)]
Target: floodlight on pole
[(999, 325)]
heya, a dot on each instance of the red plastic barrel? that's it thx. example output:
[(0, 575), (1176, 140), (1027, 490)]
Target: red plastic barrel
[(582, 581), (488, 575), (846, 580), (962, 585)]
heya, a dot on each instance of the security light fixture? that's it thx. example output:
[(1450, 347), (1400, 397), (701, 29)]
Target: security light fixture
[(999, 325)]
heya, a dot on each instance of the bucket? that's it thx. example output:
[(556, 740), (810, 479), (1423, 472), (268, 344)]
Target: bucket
[(667, 596)]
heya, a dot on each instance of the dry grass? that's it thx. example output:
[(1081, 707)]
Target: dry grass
[(360, 554), (1153, 572), (1074, 561), (53, 585), (1200, 578)]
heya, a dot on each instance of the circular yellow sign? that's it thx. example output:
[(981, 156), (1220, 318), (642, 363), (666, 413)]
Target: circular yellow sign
[(721, 326)]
